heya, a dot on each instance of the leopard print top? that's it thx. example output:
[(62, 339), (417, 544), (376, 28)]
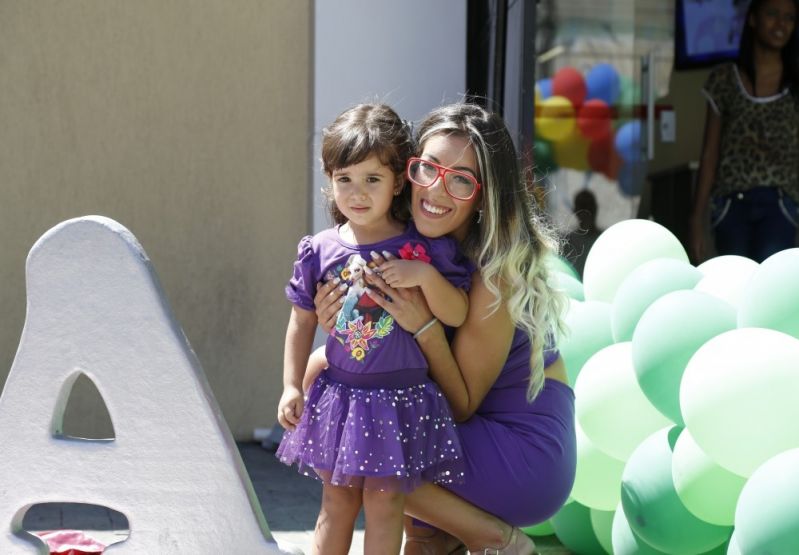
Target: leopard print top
[(759, 136)]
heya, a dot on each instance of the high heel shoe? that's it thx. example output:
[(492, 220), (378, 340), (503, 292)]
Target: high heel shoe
[(518, 544)]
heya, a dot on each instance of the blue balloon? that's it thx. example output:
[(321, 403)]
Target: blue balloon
[(602, 82), (628, 141), (631, 177), (545, 88)]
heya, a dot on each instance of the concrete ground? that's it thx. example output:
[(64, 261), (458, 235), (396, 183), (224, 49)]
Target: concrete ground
[(289, 501)]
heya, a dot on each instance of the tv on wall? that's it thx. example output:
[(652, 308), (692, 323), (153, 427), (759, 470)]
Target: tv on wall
[(707, 32)]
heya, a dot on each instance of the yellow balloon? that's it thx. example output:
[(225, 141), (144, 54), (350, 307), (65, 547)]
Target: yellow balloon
[(555, 118), (572, 152)]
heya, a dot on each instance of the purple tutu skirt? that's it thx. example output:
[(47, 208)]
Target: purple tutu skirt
[(382, 438)]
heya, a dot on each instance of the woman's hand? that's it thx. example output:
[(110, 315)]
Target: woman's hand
[(407, 306), (328, 300)]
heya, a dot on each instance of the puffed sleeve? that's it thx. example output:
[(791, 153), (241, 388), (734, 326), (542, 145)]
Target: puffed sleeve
[(451, 263), (302, 285), (715, 86)]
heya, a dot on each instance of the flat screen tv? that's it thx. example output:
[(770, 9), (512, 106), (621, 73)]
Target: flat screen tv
[(707, 32)]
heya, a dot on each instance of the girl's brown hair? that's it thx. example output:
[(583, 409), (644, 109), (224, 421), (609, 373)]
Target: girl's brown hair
[(360, 132)]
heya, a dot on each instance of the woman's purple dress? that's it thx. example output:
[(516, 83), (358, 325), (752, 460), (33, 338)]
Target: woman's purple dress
[(520, 457), (373, 419)]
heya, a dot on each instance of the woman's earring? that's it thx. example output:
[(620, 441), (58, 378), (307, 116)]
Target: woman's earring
[(397, 192), (479, 216)]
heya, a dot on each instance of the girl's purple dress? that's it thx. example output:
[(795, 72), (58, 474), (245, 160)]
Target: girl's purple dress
[(373, 419)]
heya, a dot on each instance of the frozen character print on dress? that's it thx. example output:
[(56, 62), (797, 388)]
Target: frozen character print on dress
[(361, 323)]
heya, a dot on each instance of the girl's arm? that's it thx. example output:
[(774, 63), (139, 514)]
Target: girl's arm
[(466, 372), (299, 339), (448, 303), (707, 175)]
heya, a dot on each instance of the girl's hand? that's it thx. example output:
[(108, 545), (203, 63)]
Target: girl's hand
[(406, 305), (328, 300), (290, 407), (403, 273)]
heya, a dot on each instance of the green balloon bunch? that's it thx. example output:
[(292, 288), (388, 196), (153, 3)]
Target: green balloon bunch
[(713, 349)]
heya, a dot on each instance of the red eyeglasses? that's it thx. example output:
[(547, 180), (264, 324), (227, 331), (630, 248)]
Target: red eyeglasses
[(459, 185)]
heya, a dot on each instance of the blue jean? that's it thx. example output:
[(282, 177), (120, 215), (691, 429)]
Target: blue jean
[(755, 223)]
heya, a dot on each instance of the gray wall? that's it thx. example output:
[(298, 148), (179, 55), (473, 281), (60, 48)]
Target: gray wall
[(186, 121)]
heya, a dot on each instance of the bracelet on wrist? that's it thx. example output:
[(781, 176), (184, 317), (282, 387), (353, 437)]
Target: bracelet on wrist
[(424, 328)]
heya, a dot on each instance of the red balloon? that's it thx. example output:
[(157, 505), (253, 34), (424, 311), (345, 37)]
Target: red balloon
[(603, 158), (570, 83), (593, 119)]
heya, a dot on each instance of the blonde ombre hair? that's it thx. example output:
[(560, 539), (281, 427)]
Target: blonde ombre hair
[(511, 243)]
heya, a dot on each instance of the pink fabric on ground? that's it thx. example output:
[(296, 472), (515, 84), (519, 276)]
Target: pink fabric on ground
[(71, 542)]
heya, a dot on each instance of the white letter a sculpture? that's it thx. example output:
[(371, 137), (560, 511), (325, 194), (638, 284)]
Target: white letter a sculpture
[(95, 307)]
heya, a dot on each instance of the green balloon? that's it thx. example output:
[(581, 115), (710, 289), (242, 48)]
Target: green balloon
[(707, 490), (771, 297), (629, 93), (652, 507), (569, 285), (602, 523), (629, 97), (643, 286), (733, 547), (561, 265), (573, 527), (726, 277), (597, 480), (544, 157), (611, 408), (622, 248), (542, 529), (625, 541), (767, 516), (589, 331), (668, 334), (738, 397)]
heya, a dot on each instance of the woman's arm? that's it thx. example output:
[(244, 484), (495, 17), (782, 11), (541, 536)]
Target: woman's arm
[(316, 363), (469, 369), (707, 175)]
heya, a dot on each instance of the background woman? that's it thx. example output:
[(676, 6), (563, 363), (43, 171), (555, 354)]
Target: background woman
[(749, 172)]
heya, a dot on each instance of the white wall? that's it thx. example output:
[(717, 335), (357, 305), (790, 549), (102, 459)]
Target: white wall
[(409, 54)]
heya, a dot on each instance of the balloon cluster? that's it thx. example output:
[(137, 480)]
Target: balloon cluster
[(686, 382), (574, 125)]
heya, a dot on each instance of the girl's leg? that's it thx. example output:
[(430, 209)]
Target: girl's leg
[(383, 512), (445, 510), (333, 532)]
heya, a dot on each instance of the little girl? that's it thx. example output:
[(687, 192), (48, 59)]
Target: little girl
[(373, 425)]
